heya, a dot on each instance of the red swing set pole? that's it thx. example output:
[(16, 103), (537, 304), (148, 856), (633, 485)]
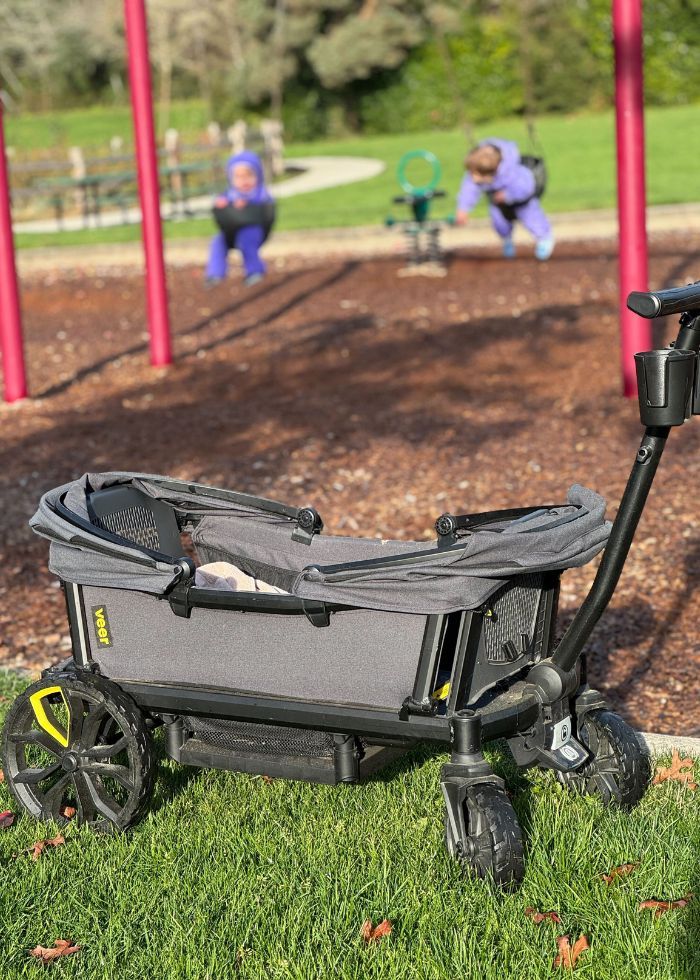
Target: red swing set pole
[(635, 333), (11, 343), (149, 189)]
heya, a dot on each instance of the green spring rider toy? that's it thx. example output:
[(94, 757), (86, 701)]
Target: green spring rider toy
[(424, 253)]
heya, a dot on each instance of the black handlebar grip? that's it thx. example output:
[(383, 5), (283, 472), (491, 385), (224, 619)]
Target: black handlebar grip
[(681, 299)]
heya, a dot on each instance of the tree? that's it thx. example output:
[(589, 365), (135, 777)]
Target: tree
[(358, 42), (446, 19), (27, 46), (57, 45)]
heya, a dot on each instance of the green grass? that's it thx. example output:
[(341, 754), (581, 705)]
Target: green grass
[(92, 128), (229, 876), (580, 153)]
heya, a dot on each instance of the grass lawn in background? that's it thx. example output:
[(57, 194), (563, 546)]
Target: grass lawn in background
[(233, 876), (580, 154), (92, 128)]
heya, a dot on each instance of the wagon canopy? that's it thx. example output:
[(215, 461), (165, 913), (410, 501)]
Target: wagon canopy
[(257, 535)]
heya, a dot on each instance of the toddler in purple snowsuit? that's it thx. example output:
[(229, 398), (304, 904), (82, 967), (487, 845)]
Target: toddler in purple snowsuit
[(246, 186), (494, 168)]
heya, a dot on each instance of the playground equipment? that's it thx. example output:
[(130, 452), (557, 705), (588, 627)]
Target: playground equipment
[(629, 87), (359, 647), (422, 233), (635, 334), (149, 188), (11, 344)]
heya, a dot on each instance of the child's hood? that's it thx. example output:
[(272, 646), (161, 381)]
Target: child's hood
[(510, 156), (249, 159), (252, 160), (511, 177)]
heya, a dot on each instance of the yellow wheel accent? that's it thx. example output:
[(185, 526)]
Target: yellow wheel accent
[(48, 721)]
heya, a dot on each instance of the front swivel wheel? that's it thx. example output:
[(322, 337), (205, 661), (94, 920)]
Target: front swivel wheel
[(77, 745), (492, 845)]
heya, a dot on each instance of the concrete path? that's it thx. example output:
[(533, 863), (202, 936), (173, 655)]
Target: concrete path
[(665, 744), (359, 242), (322, 172), (310, 174)]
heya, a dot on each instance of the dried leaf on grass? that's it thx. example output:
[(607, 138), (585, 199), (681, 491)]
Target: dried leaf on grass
[(538, 917), (41, 845), (619, 872), (568, 955), (660, 906), (68, 812), (267, 779), (2, 776), (7, 818), (61, 947), (372, 934), (680, 770)]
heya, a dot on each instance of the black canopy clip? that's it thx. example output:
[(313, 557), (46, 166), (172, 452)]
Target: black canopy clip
[(316, 612), (179, 595), (179, 599), (427, 707)]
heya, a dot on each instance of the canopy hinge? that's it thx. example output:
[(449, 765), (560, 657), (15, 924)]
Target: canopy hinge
[(309, 522)]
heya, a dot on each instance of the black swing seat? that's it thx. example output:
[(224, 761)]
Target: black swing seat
[(539, 170), (230, 220)]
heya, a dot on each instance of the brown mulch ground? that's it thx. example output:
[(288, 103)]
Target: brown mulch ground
[(383, 402)]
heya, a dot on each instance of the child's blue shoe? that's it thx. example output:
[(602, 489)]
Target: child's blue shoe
[(544, 248), (253, 278), (212, 281), (508, 248)]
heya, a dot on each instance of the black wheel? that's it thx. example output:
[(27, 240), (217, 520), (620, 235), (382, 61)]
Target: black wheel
[(78, 746), (493, 846), (620, 770)]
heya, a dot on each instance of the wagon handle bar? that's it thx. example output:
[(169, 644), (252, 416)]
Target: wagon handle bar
[(662, 302)]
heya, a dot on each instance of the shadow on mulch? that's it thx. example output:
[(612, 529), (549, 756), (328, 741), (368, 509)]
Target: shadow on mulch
[(639, 627), (326, 386)]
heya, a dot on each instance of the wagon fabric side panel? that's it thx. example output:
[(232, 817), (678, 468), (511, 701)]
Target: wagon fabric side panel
[(362, 657)]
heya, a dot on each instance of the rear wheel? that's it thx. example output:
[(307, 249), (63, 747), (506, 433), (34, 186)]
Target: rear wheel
[(493, 846), (78, 746), (619, 770)]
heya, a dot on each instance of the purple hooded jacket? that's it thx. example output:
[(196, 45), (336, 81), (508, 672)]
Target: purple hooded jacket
[(516, 180), (260, 193)]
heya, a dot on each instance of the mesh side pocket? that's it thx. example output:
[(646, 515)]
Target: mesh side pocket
[(515, 616), (245, 736)]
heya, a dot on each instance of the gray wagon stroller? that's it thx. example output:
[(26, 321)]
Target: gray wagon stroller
[(353, 650)]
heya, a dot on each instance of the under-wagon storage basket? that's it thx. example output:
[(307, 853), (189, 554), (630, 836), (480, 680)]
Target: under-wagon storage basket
[(366, 632)]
